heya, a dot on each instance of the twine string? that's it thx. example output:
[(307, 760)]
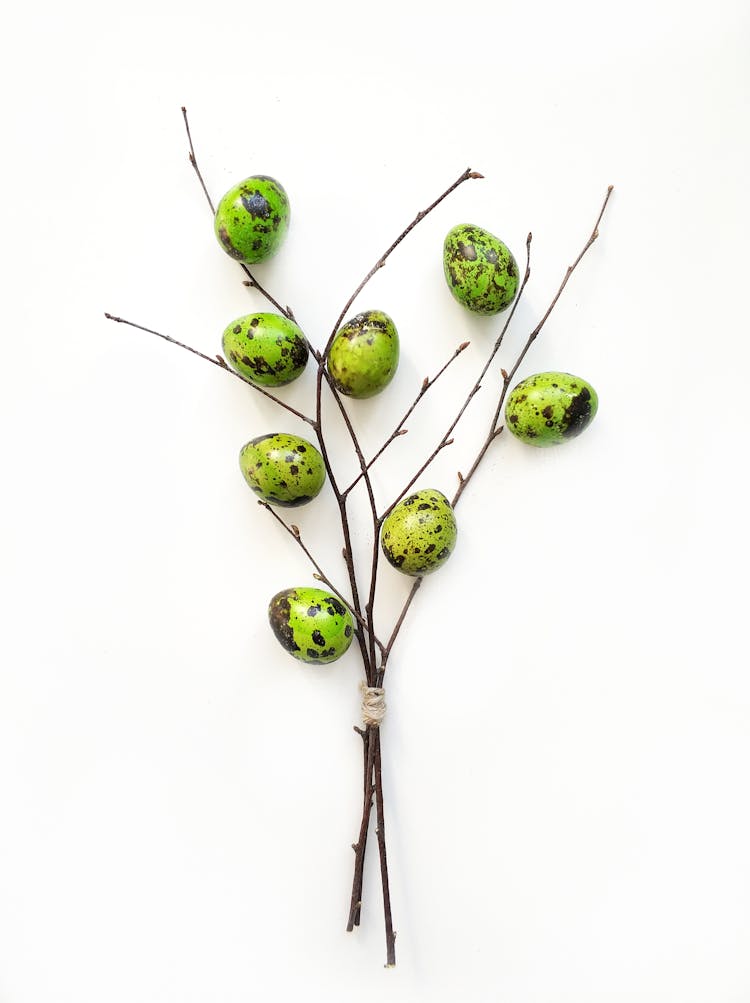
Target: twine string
[(373, 705)]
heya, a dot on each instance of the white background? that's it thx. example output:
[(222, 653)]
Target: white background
[(568, 739)]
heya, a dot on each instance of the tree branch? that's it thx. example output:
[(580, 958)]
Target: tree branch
[(215, 361)]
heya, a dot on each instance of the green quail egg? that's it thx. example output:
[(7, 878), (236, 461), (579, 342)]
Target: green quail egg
[(252, 219), (550, 408), (364, 354), (311, 624), (480, 271), (419, 535), (283, 469), (266, 348)]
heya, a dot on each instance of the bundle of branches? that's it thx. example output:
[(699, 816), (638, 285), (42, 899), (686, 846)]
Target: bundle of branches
[(415, 532)]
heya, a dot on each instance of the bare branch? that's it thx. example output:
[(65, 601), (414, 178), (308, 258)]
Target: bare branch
[(215, 361)]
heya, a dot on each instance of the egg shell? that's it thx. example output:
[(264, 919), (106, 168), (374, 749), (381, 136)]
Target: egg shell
[(364, 354), (283, 469), (252, 219), (420, 533), (313, 625), (549, 408), (480, 270), (266, 348)]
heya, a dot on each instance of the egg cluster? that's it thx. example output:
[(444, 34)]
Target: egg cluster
[(419, 533)]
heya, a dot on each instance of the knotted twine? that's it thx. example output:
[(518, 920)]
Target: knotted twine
[(373, 705)]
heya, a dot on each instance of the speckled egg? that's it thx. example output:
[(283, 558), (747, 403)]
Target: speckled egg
[(364, 354), (266, 348), (311, 624), (550, 408), (480, 271), (252, 219), (283, 469), (419, 535)]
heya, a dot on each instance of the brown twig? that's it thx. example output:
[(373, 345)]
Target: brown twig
[(446, 439), (252, 282), (507, 377), (371, 669), (494, 431), (355, 905), (466, 176), (216, 360), (320, 575), (399, 429), (390, 935)]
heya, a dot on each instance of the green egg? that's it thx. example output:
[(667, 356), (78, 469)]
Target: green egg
[(252, 219), (266, 348), (549, 408), (283, 469), (364, 354), (419, 535), (311, 624), (480, 271)]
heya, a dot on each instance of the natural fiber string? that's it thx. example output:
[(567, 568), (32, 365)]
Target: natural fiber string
[(373, 705)]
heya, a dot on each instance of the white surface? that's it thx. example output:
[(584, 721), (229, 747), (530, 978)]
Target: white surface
[(568, 740)]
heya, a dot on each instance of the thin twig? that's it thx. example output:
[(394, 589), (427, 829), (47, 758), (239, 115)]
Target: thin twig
[(251, 280), (194, 161), (371, 670), (390, 934), (355, 905), (494, 431), (216, 360), (467, 174), (446, 440), (320, 575), (399, 429)]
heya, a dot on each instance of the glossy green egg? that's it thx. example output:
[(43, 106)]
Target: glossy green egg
[(266, 348), (550, 408), (420, 533), (364, 354), (252, 219), (311, 624), (283, 469), (480, 271)]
